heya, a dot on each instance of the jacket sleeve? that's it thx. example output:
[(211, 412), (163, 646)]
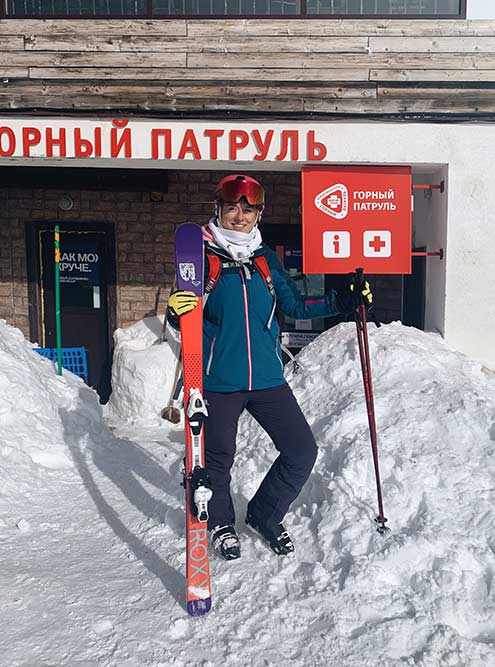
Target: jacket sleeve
[(290, 300)]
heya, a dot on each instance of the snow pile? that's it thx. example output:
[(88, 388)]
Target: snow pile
[(423, 594), (143, 373), (94, 563), (39, 411)]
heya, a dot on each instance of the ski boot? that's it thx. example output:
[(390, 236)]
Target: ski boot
[(226, 542), (275, 534)]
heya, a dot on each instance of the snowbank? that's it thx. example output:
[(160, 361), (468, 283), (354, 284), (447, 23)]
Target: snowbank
[(143, 372), (107, 540), (423, 594), (39, 411)]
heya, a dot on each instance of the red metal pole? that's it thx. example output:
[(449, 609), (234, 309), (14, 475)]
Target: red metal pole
[(440, 187), (438, 253), (364, 355)]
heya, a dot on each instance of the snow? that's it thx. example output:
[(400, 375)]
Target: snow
[(143, 372), (92, 521)]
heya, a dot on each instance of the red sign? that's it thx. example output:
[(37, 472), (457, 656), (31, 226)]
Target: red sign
[(356, 217)]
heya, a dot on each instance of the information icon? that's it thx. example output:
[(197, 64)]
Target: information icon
[(336, 244)]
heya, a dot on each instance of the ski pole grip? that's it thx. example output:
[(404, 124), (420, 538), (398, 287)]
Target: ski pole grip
[(359, 279)]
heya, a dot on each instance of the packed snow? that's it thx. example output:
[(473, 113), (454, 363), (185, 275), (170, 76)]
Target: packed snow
[(92, 522)]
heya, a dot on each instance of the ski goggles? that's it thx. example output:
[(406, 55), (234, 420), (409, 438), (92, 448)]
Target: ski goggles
[(234, 190)]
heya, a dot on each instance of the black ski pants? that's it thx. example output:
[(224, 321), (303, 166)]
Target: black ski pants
[(278, 412)]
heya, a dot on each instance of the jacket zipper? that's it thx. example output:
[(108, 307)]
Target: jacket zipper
[(248, 338), (210, 358)]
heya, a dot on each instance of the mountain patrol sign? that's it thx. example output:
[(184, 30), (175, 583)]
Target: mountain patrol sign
[(357, 217)]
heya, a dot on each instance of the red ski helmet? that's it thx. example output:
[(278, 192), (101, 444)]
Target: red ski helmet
[(233, 188)]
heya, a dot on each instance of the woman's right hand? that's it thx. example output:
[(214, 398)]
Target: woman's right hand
[(181, 302)]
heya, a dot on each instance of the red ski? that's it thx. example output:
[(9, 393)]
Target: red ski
[(189, 260)]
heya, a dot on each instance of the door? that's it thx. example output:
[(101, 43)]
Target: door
[(84, 280)]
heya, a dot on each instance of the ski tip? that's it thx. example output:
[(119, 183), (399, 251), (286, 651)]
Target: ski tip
[(198, 607)]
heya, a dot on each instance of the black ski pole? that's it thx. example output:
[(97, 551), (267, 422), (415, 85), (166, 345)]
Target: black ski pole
[(364, 354)]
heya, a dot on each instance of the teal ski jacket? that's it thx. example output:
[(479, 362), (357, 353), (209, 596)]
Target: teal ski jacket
[(241, 346)]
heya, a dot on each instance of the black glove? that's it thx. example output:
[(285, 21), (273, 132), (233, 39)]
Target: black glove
[(348, 300), (365, 293)]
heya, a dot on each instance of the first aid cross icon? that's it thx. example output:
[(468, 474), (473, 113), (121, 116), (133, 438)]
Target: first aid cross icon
[(377, 243)]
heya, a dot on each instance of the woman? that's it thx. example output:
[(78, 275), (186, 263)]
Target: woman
[(243, 367)]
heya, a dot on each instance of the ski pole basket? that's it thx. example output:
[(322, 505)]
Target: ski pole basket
[(74, 359)]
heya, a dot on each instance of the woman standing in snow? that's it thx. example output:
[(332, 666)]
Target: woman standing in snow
[(243, 367)]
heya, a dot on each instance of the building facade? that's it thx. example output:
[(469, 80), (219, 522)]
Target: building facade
[(117, 119)]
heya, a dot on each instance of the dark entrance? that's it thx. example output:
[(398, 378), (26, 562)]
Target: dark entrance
[(86, 280), (414, 293), (286, 240)]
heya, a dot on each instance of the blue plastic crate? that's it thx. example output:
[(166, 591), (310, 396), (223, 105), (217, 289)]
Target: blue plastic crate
[(74, 359)]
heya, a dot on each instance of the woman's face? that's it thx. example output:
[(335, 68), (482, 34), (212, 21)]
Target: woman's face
[(240, 217)]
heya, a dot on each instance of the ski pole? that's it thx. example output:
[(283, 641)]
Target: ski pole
[(364, 355)]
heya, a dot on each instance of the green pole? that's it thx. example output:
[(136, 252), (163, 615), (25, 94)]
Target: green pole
[(57, 300)]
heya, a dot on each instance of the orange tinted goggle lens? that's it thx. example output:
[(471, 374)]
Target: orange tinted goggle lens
[(234, 190)]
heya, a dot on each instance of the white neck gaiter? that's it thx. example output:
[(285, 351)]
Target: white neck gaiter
[(239, 245)]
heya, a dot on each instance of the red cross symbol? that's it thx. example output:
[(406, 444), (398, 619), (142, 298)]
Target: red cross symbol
[(377, 244)]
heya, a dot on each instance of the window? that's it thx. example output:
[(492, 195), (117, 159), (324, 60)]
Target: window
[(218, 8), (227, 7), (385, 7), (76, 8)]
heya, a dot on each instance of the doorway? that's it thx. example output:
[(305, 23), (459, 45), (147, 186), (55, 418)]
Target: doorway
[(87, 300)]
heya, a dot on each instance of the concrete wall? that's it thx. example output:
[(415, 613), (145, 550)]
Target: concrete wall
[(435, 269), (430, 232)]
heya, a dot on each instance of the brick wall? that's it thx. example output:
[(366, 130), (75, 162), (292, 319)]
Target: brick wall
[(144, 231)]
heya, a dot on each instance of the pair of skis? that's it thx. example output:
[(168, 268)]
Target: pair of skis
[(189, 265)]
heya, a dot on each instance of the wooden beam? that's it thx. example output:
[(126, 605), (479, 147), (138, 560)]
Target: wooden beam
[(180, 89), (14, 73), (199, 74), (146, 102), (271, 26), (12, 43), (435, 93), (296, 105), (93, 27), (320, 26), (222, 44), (89, 59), (423, 61), (436, 44), (388, 106), (440, 75)]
